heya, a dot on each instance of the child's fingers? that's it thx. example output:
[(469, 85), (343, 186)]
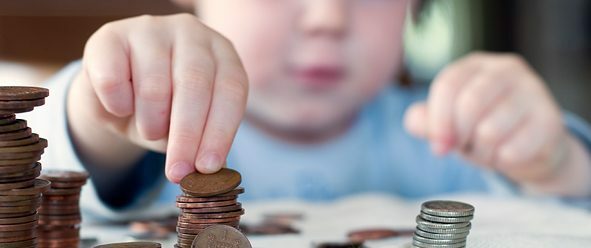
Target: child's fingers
[(226, 111), (415, 120), (475, 101), (442, 101), (497, 127), (528, 141), (193, 75), (152, 83), (107, 63)]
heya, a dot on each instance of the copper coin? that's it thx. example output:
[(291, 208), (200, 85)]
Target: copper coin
[(230, 208), (35, 147), (221, 236), (21, 104), (19, 244), (17, 185), (17, 220), (34, 138), (189, 199), (347, 244), (16, 215), (8, 93), (204, 225), (19, 134), (131, 245), (16, 125), (206, 221), (21, 155), (17, 234), (13, 111), (40, 186), (16, 168), (68, 185), (73, 191), (7, 119), (378, 233), (6, 162), (201, 185), (18, 227), (12, 198), (205, 204), (213, 215), (35, 201), (64, 175), (268, 228)]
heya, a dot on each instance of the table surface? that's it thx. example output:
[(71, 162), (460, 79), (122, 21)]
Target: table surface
[(498, 222)]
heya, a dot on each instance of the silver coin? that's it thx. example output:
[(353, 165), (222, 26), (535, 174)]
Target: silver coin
[(446, 219), (426, 223), (444, 230), (438, 241), (441, 235), (420, 244), (447, 208)]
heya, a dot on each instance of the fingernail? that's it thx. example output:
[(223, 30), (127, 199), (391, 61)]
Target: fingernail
[(180, 170), (210, 163)]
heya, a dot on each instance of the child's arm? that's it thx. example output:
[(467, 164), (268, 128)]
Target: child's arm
[(495, 110), (157, 83)]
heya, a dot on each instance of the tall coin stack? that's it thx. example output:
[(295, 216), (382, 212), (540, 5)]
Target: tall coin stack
[(443, 224), (208, 199), (59, 215), (20, 151)]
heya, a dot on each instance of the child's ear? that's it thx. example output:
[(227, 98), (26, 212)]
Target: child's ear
[(186, 4)]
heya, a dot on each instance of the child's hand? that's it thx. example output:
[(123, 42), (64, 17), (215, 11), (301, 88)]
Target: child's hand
[(495, 111), (164, 83)]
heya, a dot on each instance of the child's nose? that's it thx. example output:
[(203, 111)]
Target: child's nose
[(324, 17)]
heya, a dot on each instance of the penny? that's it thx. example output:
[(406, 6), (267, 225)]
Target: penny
[(20, 155), (230, 208), (447, 208), (8, 93), (11, 198), (64, 176), (34, 138), (17, 220), (376, 234), (204, 225), (131, 245), (16, 110), (205, 204), (220, 236), (32, 201), (21, 104), (17, 185), (346, 244), (15, 125), (185, 199), (42, 144), (213, 215), (18, 227), (19, 134), (20, 244), (16, 168), (268, 228), (7, 119), (39, 186), (201, 185), (7, 162), (205, 221)]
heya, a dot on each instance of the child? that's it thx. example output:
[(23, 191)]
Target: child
[(323, 118)]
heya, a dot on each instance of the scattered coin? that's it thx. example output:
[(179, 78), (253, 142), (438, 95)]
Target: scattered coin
[(220, 236), (131, 245), (376, 234), (268, 228)]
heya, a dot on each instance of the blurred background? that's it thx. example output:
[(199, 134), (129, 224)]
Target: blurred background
[(37, 37)]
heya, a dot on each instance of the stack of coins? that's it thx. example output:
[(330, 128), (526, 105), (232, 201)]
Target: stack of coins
[(20, 151), (59, 215), (444, 224), (207, 200)]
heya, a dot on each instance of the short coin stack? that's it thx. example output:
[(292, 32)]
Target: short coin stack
[(443, 224), (208, 199), (59, 215), (20, 151)]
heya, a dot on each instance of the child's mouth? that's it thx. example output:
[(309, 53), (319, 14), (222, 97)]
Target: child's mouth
[(318, 76)]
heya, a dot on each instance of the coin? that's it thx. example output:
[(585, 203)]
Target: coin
[(377, 233), (221, 236), (446, 219), (201, 185), (8, 93), (447, 208), (131, 245)]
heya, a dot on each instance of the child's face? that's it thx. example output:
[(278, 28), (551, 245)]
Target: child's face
[(311, 63)]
